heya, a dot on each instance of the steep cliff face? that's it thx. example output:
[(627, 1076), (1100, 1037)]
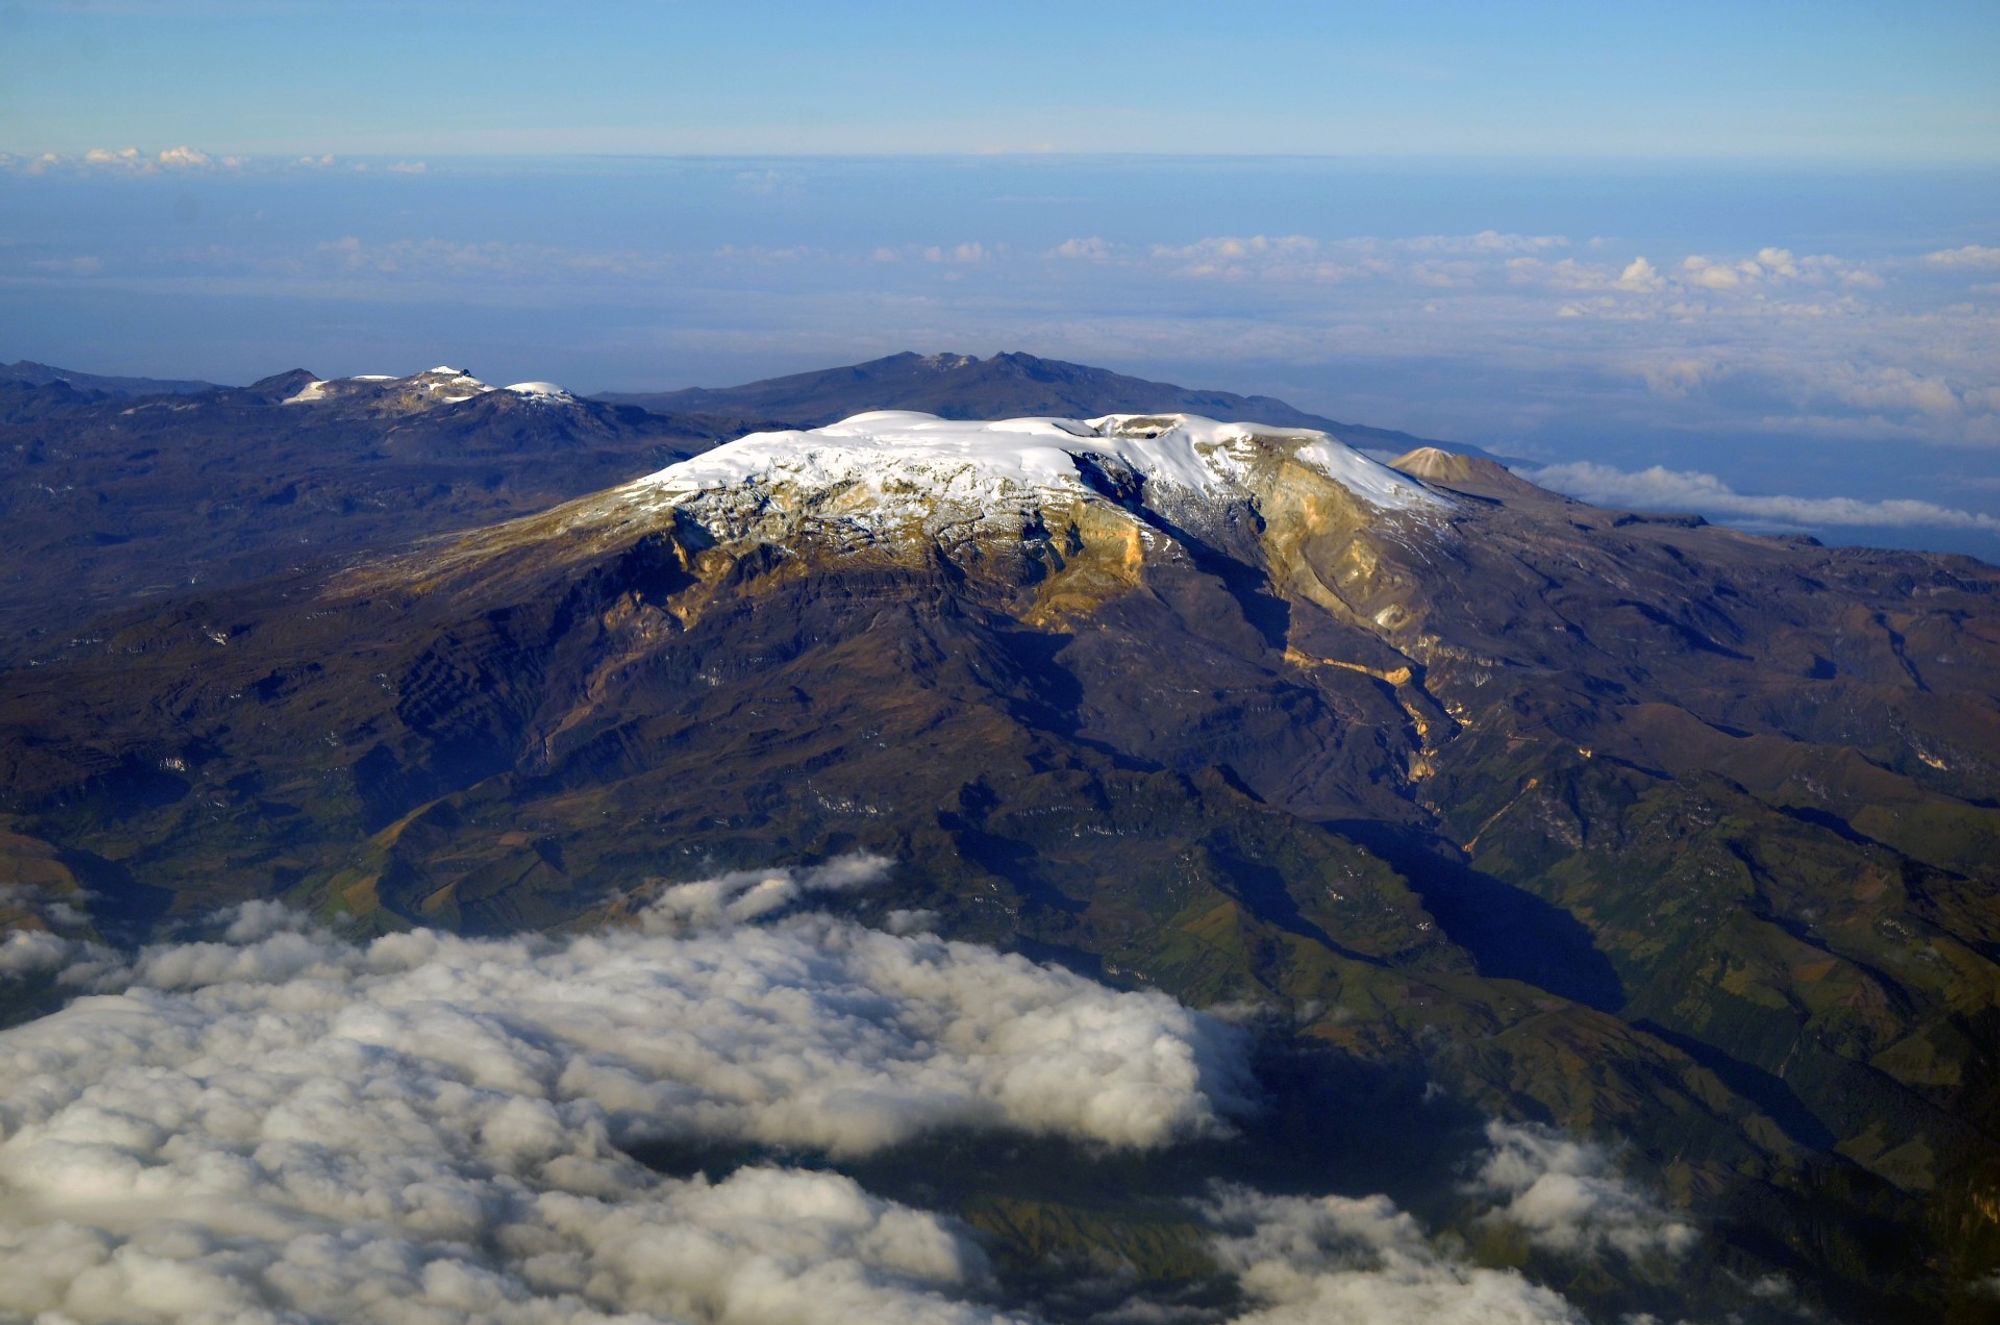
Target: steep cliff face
[(1597, 818)]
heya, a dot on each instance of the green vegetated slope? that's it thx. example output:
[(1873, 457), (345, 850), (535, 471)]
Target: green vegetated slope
[(1640, 827)]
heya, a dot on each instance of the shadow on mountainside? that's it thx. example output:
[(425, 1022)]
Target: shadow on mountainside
[(1511, 933)]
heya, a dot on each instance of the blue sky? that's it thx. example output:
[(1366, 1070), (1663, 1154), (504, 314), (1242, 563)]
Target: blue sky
[(1744, 258), (1887, 82)]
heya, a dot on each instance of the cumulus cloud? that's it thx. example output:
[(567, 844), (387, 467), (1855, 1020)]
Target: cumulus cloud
[(1306, 1261), (1892, 388), (1660, 488), (407, 168), (275, 1124), (1637, 277), (43, 907), (742, 896), (1978, 256), (1224, 248), (129, 160), (1568, 1196), (1641, 276), (1311, 1260), (1697, 275), (1091, 249), (26, 952), (1712, 275)]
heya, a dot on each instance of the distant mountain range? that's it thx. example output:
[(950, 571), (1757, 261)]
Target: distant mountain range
[(119, 489), (108, 499), (952, 386), (30, 373), (960, 386)]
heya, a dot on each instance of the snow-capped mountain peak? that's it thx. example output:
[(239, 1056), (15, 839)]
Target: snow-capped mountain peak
[(442, 385), (909, 464)]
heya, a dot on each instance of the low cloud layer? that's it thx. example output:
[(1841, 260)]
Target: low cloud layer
[(1568, 1196), (1658, 488), (1306, 1261), (279, 1125), (1315, 1260), (276, 1125)]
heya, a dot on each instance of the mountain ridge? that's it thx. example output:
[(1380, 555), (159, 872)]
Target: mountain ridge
[(960, 386), (29, 372)]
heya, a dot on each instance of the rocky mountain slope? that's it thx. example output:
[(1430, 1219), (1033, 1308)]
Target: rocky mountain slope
[(1627, 823), (109, 499), (119, 490)]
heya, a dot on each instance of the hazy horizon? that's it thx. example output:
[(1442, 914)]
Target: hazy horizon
[(1720, 323)]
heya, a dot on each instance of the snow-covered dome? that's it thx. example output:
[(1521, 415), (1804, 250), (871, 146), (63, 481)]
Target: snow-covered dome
[(893, 466)]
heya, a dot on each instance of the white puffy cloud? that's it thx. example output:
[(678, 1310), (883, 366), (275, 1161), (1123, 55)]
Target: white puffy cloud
[(277, 1125), (1224, 248), (1698, 277), (742, 896), (1338, 1260), (25, 952), (1892, 388), (407, 168), (1712, 275), (1978, 256), (1090, 249), (128, 159), (1568, 1196), (1639, 276), (45, 907), (1660, 488), (1333, 1260), (763, 1245)]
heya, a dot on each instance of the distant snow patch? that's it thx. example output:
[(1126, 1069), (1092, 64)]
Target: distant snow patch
[(540, 390)]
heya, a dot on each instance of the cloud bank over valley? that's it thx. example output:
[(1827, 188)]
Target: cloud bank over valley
[(274, 1123)]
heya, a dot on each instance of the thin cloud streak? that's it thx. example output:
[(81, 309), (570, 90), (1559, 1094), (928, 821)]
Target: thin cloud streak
[(1659, 488)]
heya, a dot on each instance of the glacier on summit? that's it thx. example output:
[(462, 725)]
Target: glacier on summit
[(889, 468)]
